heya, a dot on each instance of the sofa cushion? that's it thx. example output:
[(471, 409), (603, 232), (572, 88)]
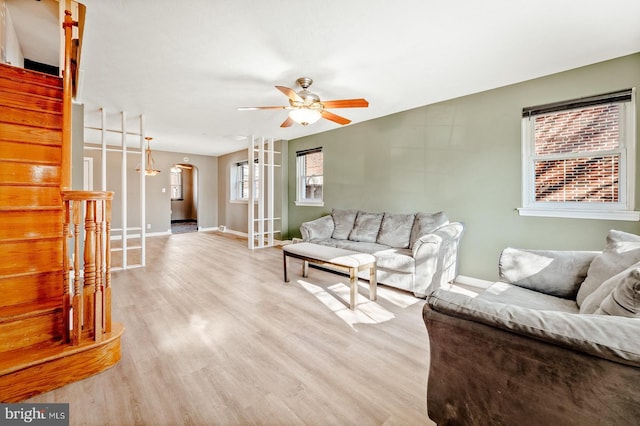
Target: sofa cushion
[(621, 251), (343, 223), (510, 294), (558, 273), (395, 230), (624, 300), (330, 242), (366, 227), (360, 246), (425, 223), (395, 259), (619, 295)]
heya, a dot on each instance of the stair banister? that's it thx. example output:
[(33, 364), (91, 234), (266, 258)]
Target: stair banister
[(88, 312)]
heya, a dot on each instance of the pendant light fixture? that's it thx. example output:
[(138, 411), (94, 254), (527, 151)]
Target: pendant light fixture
[(149, 169)]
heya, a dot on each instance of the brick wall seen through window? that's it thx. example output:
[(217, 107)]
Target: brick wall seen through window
[(587, 178)]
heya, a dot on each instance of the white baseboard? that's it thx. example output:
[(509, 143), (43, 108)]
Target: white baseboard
[(214, 228), (238, 233), (473, 282), (158, 234)]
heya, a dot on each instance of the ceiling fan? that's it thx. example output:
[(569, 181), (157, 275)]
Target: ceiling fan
[(307, 108)]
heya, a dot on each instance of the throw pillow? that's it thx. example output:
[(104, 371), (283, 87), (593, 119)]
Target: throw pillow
[(619, 295), (621, 251), (624, 300), (555, 272), (343, 221), (395, 230), (425, 223), (366, 227)]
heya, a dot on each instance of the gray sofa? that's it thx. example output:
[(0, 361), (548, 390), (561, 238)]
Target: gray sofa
[(556, 341), (414, 252)]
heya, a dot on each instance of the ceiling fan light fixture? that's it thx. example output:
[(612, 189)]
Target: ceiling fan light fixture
[(305, 116)]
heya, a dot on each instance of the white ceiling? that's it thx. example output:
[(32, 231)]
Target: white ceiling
[(187, 66)]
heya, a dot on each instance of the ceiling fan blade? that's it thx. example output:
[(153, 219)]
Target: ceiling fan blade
[(335, 118), (346, 103), (290, 93), (287, 123), (264, 107)]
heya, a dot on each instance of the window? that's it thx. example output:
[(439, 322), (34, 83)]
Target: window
[(309, 182), (176, 183), (240, 181), (579, 158)]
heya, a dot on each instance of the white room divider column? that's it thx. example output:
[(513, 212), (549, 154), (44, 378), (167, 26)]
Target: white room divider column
[(104, 146), (261, 217)]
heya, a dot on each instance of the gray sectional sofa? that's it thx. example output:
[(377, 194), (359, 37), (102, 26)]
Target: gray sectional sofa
[(415, 252), (556, 341)]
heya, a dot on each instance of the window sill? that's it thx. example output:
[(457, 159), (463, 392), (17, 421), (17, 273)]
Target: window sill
[(310, 203), (581, 214), (238, 201)]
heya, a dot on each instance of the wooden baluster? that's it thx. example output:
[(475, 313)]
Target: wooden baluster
[(107, 268), (97, 295), (89, 266), (76, 303), (66, 302), (91, 301)]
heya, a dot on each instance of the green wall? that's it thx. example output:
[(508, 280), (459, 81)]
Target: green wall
[(461, 156)]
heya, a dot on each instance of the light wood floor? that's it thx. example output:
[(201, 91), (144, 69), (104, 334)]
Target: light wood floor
[(214, 336)]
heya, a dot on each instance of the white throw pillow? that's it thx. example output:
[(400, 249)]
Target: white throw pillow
[(623, 279), (621, 251)]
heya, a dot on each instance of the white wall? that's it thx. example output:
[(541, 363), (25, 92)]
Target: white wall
[(10, 51)]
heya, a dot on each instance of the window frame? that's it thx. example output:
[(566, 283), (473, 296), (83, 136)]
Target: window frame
[(623, 209), (176, 185), (301, 178), (238, 171)]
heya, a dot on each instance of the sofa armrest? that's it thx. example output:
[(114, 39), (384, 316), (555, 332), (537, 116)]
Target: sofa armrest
[(481, 374), (320, 228), (436, 257), (609, 337)]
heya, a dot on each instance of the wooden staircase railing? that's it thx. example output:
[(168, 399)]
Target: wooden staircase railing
[(87, 298)]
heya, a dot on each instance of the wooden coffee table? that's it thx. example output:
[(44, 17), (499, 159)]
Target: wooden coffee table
[(342, 260)]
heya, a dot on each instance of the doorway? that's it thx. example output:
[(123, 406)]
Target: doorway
[(184, 198)]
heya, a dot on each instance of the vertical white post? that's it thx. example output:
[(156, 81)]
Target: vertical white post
[(270, 191), (143, 197), (123, 195), (103, 158), (261, 192), (250, 204)]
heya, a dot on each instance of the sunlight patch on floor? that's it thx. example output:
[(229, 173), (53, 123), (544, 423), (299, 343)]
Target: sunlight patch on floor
[(399, 298), (336, 298)]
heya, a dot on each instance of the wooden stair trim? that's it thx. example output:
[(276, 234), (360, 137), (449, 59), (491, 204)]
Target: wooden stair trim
[(38, 103), (22, 133), (31, 184), (29, 310), (44, 368), (30, 357), (30, 208), (10, 72), (37, 238), (34, 162)]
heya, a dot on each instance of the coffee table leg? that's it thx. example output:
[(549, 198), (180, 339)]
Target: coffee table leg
[(305, 268), (285, 261), (373, 283), (353, 276)]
